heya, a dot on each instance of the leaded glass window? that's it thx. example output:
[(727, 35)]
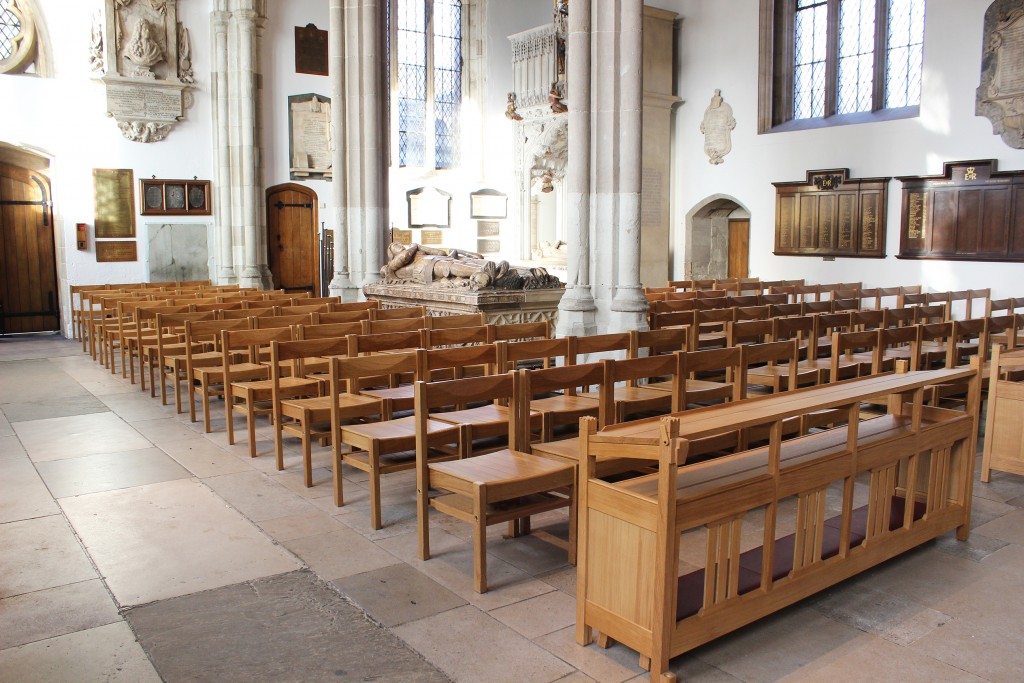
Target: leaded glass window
[(10, 28), (425, 80), (843, 58)]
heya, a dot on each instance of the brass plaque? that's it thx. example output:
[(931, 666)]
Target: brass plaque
[(401, 236), (121, 250), (310, 50), (113, 190), (488, 246), (868, 221), (433, 237)]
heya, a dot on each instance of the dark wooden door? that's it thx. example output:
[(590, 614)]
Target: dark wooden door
[(28, 263), (292, 240), (739, 248)]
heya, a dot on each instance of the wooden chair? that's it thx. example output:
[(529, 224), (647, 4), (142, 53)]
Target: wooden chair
[(870, 319), (513, 331), (825, 325), (395, 388), (710, 327), (897, 343), (310, 414), (346, 316), (143, 345), (251, 391), (554, 394), (503, 486), (206, 372), (589, 348), (813, 307), (853, 354), (898, 317), (661, 396), (932, 312), (170, 356), (936, 349), (372, 442), (394, 325), (786, 310), (773, 365), (713, 376)]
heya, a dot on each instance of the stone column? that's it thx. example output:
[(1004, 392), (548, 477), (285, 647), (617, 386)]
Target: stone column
[(576, 311), (225, 274), (246, 24), (373, 168), (629, 301), (341, 285), (604, 145), (354, 149), (266, 276)]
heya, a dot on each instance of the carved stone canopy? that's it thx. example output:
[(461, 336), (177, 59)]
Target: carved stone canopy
[(143, 56)]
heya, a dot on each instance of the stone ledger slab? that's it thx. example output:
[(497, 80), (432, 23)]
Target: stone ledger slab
[(500, 306)]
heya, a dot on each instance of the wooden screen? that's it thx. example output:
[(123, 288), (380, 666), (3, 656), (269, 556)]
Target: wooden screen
[(969, 213), (831, 214)]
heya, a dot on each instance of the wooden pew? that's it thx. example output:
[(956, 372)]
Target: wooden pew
[(917, 459)]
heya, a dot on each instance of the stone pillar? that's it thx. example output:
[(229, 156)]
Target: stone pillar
[(340, 285), (266, 276), (629, 302), (225, 272), (576, 311), (372, 138), (354, 150), (246, 25), (604, 145)]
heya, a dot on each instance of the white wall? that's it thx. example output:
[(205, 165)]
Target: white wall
[(718, 49)]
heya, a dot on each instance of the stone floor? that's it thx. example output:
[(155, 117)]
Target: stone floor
[(135, 547)]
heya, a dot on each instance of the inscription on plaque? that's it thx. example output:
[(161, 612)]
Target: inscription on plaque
[(146, 102), (401, 236), (846, 221), (807, 216), (868, 221), (433, 237), (309, 141), (650, 209), (116, 251), (917, 210), (826, 217), (487, 228), (488, 246), (113, 192), (786, 221)]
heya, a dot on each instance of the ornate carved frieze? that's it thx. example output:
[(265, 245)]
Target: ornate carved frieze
[(143, 56), (1000, 97)]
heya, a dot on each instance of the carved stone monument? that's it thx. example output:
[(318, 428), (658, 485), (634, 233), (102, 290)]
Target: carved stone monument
[(716, 127), (1000, 97), (143, 56), (309, 136)]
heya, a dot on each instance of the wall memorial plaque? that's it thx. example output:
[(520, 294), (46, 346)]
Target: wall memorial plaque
[(432, 237), (831, 214), (488, 204), (310, 50), (309, 137), (488, 246), (429, 208), (1000, 96), (401, 236), (114, 197), (971, 212), (488, 228), (116, 251), (175, 197)]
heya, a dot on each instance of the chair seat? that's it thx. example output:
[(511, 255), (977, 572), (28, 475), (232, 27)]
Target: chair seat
[(398, 434), (483, 419), (319, 407), (565, 404), (215, 373), (502, 468), (261, 389), (392, 393)]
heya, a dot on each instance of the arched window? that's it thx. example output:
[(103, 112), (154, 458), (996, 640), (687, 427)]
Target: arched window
[(424, 49), (841, 61), (20, 49)]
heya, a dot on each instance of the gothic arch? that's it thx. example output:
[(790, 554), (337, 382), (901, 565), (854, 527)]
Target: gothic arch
[(707, 236), (31, 46)]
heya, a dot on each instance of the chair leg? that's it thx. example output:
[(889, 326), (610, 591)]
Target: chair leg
[(480, 540), (279, 443), (423, 506), (375, 516), (339, 482), (191, 391), (573, 522), (206, 403), (250, 425), (307, 451)]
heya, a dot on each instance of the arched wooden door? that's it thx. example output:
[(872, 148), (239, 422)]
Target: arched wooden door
[(292, 238), (28, 262)]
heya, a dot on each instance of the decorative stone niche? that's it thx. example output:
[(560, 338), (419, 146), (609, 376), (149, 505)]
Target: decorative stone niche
[(143, 57)]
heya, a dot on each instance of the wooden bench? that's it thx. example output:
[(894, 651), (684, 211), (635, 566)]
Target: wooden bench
[(628, 584)]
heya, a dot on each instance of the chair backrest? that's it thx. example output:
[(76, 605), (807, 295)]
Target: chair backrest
[(845, 344), (345, 316), (659, 342), (941, 334), (785, 310), (711, 293), (971, 337), (458, 336), (674, 319), (799, 327), (264, 322), (978, 298), (773, 299), (870, 319), (393, 313), (293, 355), (458, 392), (771, 354), (806, 293), (455, 359), (811, 307), (538, 330), (710, 304), (359, 344), (1006, 327), (510, 354), (352, 306), (394, 325), (883, 293), (932, 313), (889, 338), (633, 370), (325, 330), (673, 305), (749, 332), (758, 312), (350, 375), (898, 317), (848, 304), (725, 364), (680, 296), (444, 322), (611, 342), (569, 379), (262, 312), (681, 284), (253, 341)]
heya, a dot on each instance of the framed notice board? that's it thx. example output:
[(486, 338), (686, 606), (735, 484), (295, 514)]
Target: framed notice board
[(831, 214), (971, 212)]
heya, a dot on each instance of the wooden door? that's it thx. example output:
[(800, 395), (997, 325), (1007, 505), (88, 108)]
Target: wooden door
[(739, 248), (28, 262), (292, 238)]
